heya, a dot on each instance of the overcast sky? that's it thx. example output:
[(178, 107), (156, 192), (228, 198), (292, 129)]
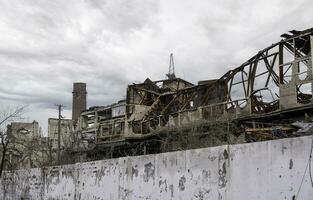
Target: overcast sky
[(47, 45)]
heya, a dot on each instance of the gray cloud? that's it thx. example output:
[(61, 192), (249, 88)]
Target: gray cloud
[(45, 46)]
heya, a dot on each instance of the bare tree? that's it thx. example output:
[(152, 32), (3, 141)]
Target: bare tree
[(7, 116)]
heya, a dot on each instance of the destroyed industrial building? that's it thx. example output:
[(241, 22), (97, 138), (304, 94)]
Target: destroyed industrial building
[(267, 97), (259, 100)]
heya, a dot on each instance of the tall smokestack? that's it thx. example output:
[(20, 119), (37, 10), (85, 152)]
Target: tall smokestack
[(79, 100)]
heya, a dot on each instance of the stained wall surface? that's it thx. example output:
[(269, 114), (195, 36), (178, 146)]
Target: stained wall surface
[(278, 169)]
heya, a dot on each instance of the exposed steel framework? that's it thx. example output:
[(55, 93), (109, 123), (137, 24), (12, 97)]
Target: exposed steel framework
[(278, 79)]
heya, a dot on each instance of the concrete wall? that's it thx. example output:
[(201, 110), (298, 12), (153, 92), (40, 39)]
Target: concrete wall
[(67, 132), (263, 170)]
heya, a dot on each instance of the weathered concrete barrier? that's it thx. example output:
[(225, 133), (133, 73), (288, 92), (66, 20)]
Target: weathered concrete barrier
[(277, 169)]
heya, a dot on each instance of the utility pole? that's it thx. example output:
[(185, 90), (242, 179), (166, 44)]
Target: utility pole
[(59, 132)]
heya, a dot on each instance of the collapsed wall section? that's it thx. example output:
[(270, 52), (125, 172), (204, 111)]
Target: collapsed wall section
[(276, 169)]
